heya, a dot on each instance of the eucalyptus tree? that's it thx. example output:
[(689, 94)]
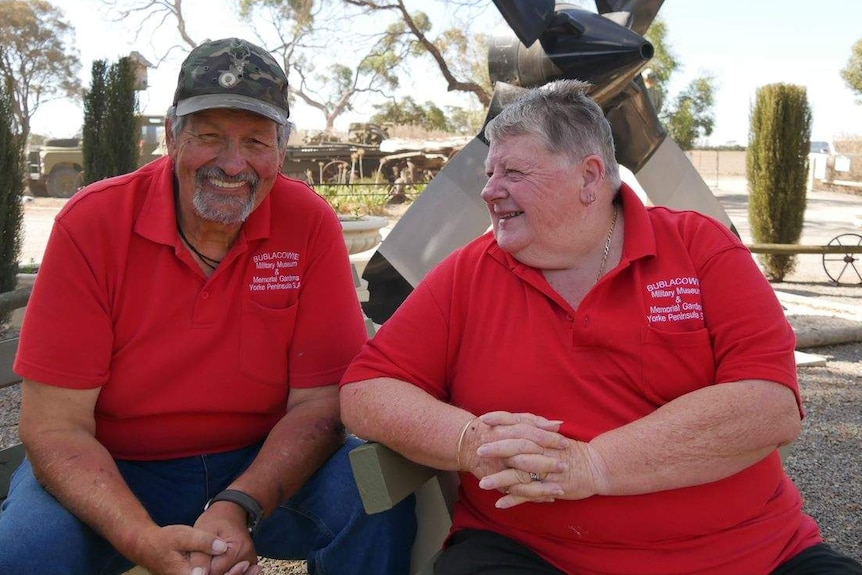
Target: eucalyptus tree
[(332, 55), (691, 115), (341, 54), (335, 55), (852, 71), (459, 52), (38, 58)]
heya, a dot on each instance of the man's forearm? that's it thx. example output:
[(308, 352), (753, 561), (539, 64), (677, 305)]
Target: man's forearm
[(81, 474), (293, 451)]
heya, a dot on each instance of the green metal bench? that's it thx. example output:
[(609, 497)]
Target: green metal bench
[(385, 478), (10, 459)]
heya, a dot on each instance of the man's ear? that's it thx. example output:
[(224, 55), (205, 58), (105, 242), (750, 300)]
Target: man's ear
[(170, 143), (281, 156), (593, 170)]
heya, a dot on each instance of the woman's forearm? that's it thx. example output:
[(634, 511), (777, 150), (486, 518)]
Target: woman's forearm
[(406, 419), (702, 436)]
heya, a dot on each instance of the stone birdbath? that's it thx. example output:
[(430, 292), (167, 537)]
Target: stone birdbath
[(361, 233)]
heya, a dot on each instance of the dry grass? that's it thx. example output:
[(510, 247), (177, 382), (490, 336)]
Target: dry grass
[(848, 144)]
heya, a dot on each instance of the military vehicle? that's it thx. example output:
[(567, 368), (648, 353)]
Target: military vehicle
[(369, 152), (56, 169)]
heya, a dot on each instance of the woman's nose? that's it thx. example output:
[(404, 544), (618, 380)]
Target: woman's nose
[(493, 191)]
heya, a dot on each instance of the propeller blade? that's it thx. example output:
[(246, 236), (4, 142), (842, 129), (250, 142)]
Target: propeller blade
[(578, 45), (663, 170), (643, 12), (447, 215), (635, 125), (527, 18), (670, 179)]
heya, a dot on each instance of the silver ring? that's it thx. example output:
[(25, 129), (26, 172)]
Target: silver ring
[(535, 477)]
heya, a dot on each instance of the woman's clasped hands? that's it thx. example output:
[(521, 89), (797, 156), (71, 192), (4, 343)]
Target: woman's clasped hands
[(525, 457)]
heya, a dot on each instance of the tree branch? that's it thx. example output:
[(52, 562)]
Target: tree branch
[(453, 83)]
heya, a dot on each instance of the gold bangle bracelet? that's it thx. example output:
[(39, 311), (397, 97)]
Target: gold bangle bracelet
[(461, 442)]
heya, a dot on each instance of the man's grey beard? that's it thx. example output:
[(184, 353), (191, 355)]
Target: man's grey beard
[(224, 208)]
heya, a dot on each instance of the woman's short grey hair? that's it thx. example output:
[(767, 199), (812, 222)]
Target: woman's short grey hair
[(178, 122), (565, 118)]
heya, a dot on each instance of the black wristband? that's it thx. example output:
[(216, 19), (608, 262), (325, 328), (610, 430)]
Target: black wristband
[(244, 500)]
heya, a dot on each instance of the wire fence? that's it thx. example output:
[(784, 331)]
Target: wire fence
[(368, 198)]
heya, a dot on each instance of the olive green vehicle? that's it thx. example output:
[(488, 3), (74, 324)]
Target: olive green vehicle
[(56, 169)]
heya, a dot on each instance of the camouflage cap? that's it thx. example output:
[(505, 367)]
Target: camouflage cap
[(232, 73)]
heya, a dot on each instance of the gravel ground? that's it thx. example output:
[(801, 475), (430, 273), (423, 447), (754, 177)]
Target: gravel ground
[(825, 462)]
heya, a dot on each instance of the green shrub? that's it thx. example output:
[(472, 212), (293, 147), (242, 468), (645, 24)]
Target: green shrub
[(363, 199), (777, 170)]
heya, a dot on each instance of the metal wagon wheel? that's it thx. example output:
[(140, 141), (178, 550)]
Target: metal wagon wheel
[(841, 268)]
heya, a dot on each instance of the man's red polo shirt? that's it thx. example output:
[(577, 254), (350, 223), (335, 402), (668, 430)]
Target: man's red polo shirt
[(189, 364)]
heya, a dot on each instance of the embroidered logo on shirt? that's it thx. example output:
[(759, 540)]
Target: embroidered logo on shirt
[(275, 271), (674, 299)]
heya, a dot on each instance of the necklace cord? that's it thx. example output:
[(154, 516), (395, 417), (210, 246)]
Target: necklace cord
[(208, 261), (607, 245)]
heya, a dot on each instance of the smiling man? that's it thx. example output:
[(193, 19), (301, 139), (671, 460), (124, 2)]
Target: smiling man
[(180, 358)]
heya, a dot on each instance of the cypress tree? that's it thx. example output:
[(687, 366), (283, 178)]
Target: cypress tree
[(11, 189), (122, 124), (111, 126), (777, 170), (96, 151)]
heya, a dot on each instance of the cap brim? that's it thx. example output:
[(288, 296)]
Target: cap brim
[(233, 102)]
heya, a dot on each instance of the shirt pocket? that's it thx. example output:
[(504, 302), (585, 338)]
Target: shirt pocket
[(675, 363), (265, 338)]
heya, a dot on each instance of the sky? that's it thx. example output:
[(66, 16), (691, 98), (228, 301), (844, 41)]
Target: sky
[(745, 44)]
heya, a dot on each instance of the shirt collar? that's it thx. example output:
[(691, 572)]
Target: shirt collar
[(639, 241)]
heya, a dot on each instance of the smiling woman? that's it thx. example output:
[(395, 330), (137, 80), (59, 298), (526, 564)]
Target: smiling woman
[(631, 358)]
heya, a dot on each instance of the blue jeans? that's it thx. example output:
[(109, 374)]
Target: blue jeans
[(324, 523)]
